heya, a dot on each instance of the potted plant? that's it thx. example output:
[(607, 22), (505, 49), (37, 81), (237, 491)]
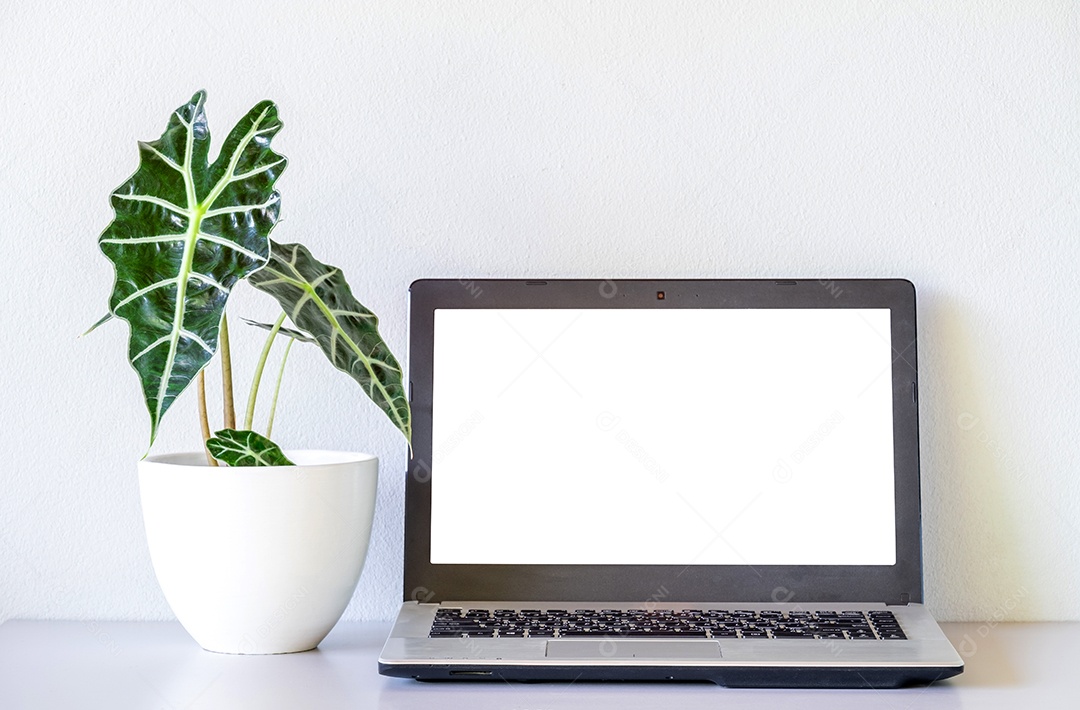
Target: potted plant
[(258, 550)]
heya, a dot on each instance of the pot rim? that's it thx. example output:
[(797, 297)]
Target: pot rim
[(302, 457)]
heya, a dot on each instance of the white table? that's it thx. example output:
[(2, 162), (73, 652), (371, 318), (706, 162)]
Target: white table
[(49, 664)]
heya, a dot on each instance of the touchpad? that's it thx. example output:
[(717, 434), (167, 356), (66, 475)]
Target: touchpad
[(582, 649)]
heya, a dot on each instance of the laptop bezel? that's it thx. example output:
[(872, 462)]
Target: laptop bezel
[(893, 584)]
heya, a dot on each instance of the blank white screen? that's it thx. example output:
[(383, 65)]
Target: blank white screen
[(681, 437)]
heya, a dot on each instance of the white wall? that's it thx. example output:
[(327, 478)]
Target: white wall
[(939, 141)]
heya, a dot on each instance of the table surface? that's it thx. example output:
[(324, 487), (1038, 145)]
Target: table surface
[(47, 664)]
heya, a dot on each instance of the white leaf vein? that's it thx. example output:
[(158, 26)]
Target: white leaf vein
[(164, 158), (143, 291), (222, 241), (135, 197), (256, 171), (152, 239), (236, 209)]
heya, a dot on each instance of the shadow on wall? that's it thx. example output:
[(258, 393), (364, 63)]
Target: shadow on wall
[(976, 566)]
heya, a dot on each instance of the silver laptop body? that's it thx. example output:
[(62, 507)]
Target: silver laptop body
[(665, 480)]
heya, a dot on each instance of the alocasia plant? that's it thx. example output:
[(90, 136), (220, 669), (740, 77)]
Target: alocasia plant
[(185, 232)]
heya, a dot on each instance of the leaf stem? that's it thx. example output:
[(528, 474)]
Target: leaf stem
[(226, 375), (259, 370), (277, 389), (204, 419)]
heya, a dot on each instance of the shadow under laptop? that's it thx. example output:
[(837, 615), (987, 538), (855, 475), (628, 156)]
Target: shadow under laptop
[(988, 650)]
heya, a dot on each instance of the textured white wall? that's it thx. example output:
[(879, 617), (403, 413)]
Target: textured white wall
[(935, 141)]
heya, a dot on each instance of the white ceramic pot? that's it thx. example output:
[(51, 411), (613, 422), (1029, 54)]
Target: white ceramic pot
[(258, 559)]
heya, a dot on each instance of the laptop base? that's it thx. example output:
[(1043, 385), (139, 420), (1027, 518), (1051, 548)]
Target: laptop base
[(731, 677)]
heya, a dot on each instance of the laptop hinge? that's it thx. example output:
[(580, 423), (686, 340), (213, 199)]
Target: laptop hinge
[(905, 598)]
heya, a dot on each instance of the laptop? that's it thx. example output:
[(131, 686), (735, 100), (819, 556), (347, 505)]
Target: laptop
[(682, 480)]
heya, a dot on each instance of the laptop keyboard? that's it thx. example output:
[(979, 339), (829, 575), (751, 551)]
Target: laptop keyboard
[(647, 623)]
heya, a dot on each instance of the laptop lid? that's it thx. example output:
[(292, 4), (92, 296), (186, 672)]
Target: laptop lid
[(663, 440)]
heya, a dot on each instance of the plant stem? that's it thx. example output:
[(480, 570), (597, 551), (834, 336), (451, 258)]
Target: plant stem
[(277, 389), (204, 419), (259, 370), (226, 375)]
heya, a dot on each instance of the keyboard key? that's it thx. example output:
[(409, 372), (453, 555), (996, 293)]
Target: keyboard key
[(672, 633)]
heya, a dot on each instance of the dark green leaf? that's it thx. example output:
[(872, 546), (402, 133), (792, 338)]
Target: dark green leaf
[(320, 303), (286, 332), (101, 321), (185, 232), (245, 448)]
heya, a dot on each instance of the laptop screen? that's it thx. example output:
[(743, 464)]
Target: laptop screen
[(662, 437)]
